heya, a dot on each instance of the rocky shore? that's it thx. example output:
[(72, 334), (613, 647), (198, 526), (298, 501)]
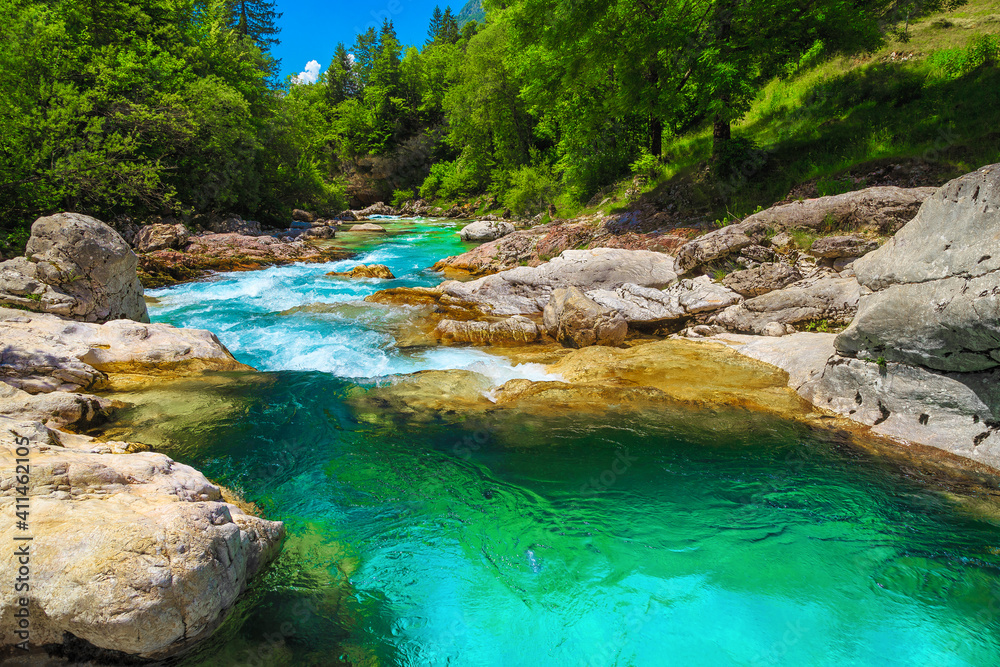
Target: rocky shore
[(907, 277), (132, 555)]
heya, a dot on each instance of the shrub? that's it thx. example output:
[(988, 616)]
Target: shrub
[(531, 189), (449, 180), (12, 242), (400, 197), (646, 164), (955, 63)]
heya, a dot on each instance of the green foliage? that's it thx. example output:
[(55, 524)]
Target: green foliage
[(646, 164), (882, 363), (739, 158), (835, 186), (982, 51), (449, 181), (822, 326), (803, 238), (12, 242), (530, 189), (400, 197)]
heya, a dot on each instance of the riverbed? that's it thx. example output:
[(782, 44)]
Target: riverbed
[(690, 536)]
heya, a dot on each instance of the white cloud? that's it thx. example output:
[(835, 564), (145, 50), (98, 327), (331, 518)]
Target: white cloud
[(310, 74)]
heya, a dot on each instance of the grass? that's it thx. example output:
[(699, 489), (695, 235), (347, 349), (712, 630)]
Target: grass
[(803, 238)]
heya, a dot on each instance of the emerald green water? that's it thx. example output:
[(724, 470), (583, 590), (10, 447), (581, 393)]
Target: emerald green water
[(680, 537)]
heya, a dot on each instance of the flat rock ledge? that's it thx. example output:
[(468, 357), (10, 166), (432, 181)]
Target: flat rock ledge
[(43, 353), (955, 412), (132, 554)]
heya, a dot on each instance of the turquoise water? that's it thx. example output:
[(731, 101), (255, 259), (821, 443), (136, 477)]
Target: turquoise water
[(681, 537)]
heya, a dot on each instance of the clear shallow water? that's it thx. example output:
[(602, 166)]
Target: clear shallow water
[(684, 537)]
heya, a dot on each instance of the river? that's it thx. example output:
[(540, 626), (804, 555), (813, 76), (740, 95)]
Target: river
[(684, 537)]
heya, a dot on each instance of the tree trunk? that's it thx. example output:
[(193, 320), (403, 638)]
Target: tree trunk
[(720, 135), (655, 136)]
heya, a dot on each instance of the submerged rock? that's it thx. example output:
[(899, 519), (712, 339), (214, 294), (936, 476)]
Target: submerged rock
[(367, 227), (75, 266), (366, 271)]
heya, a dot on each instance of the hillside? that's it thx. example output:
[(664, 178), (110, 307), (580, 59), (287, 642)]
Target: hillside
[(922, 109), (472, 11)]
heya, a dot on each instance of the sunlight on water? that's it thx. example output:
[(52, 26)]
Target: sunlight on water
[(274, 319), (682, 537)]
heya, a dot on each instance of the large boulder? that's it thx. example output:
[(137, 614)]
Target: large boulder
[(44, 353), (512, 331), (879, 209), (75, 266), (956, 412), (300, 215), (483, 230), (378, 208), (934, 296), (762, 279), (883, 209), (711, 247), (821, 297), (161, 237), (645, 306), (526, 289), (576, 320), (132, 553)]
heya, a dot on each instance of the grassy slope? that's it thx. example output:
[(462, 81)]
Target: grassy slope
[(833, 122)]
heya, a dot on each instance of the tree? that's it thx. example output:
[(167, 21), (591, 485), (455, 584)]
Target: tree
[(255, 19), (434, 29), (448, 33), (339, 77)]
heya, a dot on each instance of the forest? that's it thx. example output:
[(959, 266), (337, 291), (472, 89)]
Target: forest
[(174, 108)]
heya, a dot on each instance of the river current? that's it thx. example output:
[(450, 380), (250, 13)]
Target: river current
[(682, 537)]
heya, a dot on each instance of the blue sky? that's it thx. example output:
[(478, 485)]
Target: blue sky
[(310, 29)]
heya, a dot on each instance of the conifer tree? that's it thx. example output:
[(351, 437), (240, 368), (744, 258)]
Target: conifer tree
[(435, 25), (255, 19)]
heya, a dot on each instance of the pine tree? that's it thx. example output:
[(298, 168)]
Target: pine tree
[(435, 26), (255, 19), (448, 32), (340, 83)]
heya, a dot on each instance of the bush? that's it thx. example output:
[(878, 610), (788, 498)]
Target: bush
[(531, 189), (12, 242), (646, 164), (449, 180), (954, 63), (400, 197)]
